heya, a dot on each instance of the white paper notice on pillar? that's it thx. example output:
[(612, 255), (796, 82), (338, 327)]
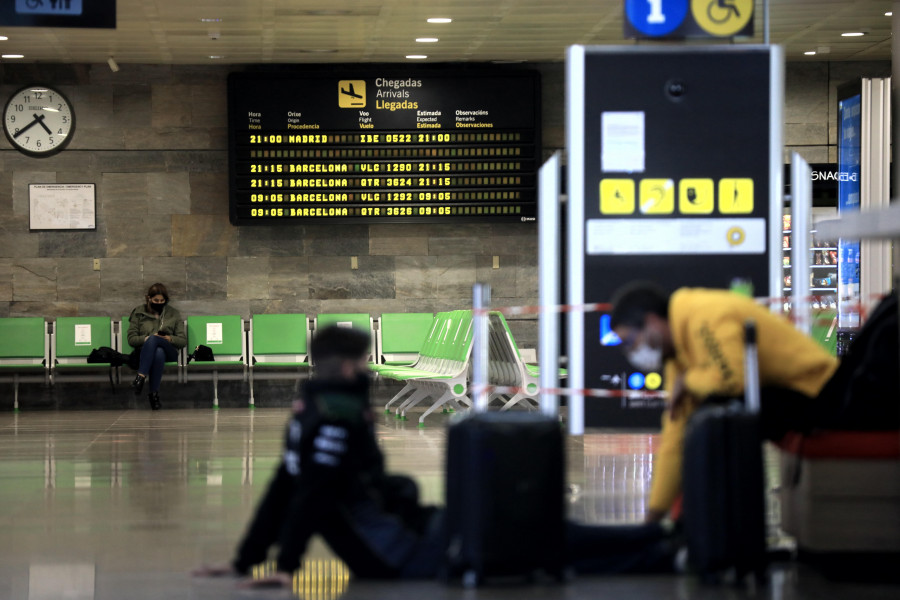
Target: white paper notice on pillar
[(82, 335), (213, 333), (622, 142)]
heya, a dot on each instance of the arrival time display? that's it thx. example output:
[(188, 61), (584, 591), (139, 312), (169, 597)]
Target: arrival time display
[(421, 146)]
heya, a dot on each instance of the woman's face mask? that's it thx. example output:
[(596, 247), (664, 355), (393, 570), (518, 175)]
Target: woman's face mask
[(157, 303)]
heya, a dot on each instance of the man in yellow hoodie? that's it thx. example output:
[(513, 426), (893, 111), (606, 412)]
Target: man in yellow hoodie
[(697, 335)]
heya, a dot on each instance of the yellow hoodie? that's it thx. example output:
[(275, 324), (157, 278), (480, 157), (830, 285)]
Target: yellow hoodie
[(708, 334)]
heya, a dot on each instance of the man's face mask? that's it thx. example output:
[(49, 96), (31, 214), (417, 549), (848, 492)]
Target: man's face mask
[(643, 349), (645, 358)]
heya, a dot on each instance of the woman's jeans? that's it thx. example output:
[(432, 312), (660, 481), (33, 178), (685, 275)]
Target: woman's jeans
[(155, 352)]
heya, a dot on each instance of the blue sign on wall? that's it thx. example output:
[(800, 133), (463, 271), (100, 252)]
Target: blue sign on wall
[(58, 13), (849, 158), (656, 19), (688, 18), (48, 7)]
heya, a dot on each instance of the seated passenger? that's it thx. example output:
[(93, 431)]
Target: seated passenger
[(697, 335), (331, 481), (156, 331)]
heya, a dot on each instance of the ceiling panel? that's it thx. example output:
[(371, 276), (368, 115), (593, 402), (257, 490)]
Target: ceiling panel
[(288, 31)]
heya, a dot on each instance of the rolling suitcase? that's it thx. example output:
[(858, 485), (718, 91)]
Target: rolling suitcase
[(505, 508), (724, 497)]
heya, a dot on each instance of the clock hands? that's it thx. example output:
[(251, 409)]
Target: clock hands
[(47, 129), (38, 119)]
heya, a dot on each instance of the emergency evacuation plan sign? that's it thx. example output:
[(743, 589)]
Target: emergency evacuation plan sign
[(675, 172), (688, 18)]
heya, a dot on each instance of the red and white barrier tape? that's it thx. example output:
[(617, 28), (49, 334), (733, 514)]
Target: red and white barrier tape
[(534, 310), (606, 306)]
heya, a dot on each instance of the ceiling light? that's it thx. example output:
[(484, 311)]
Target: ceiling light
[(853, 34), (440, 20), (3, 38), (12, 56), (210, 20), (328, 13), (889, 13), (217, 56), (426, 40), (810, 53), (416, 56)]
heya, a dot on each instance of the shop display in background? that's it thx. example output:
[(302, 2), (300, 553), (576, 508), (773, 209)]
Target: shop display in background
[(823, 285)]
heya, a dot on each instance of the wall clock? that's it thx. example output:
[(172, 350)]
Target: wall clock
[(38, 121)]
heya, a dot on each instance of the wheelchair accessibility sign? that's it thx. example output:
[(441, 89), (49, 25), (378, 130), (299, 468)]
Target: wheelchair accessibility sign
[(48, 7), (688, 18)]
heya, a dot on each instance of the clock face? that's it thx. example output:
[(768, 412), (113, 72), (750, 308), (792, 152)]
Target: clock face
[(38, 121)]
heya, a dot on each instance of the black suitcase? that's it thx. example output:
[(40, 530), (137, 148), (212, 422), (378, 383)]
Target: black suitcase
[(504, 495), (723, 481)]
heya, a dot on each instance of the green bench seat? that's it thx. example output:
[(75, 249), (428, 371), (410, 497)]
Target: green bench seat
[(441, 369), (279, 347), (224, 334), (24, 352)]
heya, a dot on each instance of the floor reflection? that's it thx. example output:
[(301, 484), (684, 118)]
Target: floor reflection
[(120, 504)]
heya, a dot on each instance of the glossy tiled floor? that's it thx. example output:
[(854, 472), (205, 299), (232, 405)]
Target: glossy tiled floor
[(119, 505)]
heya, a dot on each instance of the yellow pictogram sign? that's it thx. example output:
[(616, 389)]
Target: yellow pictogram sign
[(722, 17), (352, 93), (736, 196), (696, 197), (653, 381), (617, 196), (657, 196), (736, 236)]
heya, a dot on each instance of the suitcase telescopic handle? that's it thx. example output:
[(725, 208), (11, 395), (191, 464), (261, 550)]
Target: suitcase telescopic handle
[(751, 368)]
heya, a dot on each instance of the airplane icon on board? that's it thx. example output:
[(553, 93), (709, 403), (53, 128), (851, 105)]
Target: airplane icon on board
[(351, 92)]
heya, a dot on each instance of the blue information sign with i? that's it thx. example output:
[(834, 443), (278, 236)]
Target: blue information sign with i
[(679, 19), (656, 18)]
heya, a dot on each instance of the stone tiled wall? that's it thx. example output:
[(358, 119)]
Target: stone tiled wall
[(153, 140), (810, 112)]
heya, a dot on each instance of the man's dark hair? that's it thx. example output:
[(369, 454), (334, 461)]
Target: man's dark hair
[(634, 301), (334, 344)]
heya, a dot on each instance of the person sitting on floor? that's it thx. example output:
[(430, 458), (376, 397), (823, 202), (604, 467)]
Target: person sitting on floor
[(331, 481)]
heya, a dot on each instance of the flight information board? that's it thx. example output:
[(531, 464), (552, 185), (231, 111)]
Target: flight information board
[(414, 146)]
